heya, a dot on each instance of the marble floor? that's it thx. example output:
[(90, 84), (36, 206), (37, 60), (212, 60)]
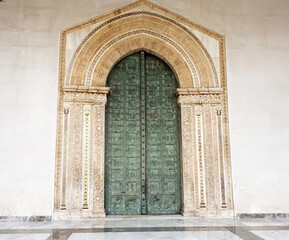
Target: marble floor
[(149, 227)]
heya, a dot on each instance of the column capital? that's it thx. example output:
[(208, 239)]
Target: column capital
[(92, 95), (187, 100)]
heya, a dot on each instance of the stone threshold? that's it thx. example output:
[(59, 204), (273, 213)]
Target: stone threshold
[(262, 215), (25, 218), (131, 217)]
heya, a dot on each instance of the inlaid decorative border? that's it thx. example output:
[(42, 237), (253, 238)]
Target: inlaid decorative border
[(86, 155), (200, 153)]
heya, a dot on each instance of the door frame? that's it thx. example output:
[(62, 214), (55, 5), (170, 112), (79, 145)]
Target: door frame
[(202, 98)]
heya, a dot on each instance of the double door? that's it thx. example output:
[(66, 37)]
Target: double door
[(142, 165)]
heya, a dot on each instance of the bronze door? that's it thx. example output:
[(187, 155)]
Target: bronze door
[(142, 169)]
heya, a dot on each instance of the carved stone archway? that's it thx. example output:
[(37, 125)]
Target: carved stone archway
[(84, 67)]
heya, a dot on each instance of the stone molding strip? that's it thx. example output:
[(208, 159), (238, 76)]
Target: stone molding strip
[(85, 89), (199, 91)]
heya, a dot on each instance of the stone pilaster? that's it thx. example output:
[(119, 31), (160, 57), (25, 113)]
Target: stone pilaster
[(203, 179), (83, 153)]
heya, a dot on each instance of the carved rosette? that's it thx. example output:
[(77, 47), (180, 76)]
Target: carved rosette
[(204, 170)]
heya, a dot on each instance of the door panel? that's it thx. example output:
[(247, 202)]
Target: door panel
[(142, 138), (122, 175), (162, 139)]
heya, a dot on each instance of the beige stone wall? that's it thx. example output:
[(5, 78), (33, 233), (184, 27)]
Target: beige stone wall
[(257, 57)]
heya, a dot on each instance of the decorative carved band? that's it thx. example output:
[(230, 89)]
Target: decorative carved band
[(199, 99), (94, 98), (85, 89), (64, 157), (86, 39), (190, 96), (199, 91), (86, 147), (140, 31), (188, 161), (75, 158), (200, 156), (98, 163), (221, 157)]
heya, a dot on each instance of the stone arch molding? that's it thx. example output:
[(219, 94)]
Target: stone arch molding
[(88, 52), (182, 49)]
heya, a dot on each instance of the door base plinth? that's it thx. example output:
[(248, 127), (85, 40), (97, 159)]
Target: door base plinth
[(189, 213), (99, 215)]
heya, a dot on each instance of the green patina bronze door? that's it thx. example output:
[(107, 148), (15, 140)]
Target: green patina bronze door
[(142, 169)]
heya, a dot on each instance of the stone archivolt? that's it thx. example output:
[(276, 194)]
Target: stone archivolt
[(202, 98), (184, 49)]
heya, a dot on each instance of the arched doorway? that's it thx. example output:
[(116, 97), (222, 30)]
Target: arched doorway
[(88, 52), (142, 149)]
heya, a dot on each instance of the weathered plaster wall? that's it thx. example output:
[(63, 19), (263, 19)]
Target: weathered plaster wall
[(257, 56)]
